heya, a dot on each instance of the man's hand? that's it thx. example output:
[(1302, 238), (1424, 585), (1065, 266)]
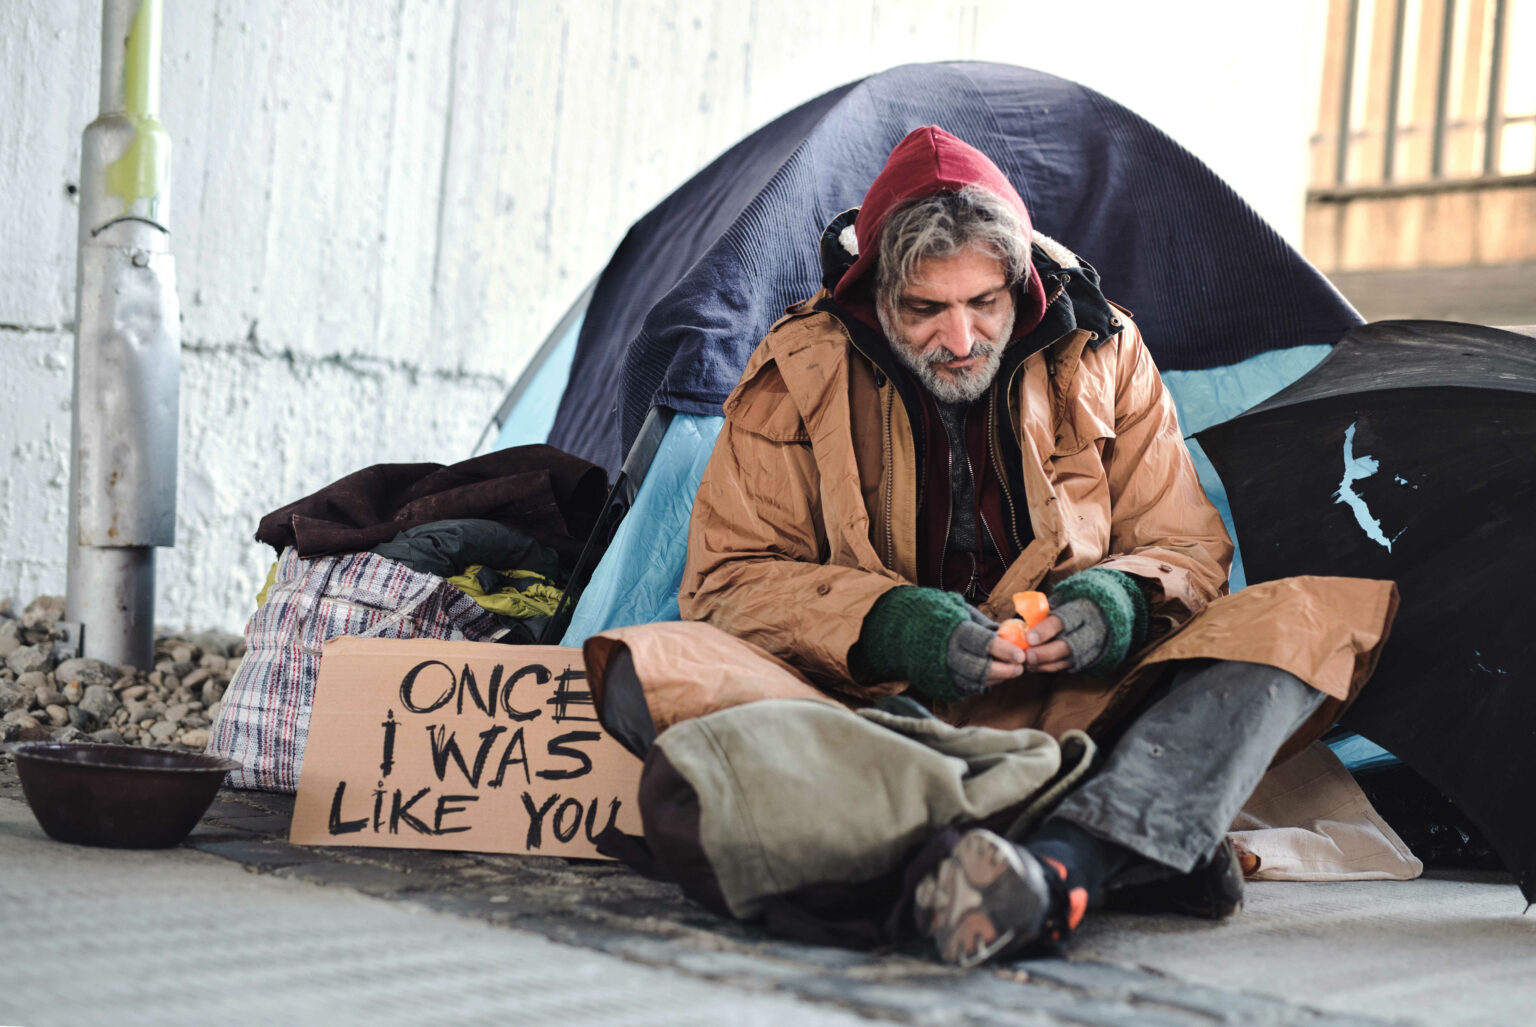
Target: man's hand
[(1007, 661), (1047, 653), (909, 626)]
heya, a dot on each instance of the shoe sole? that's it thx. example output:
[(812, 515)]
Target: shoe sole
[(984, 900)]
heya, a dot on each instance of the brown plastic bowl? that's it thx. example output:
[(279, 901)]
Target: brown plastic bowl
[(117, 796)]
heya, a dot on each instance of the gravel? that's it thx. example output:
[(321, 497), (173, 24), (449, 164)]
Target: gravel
[(170, 706)]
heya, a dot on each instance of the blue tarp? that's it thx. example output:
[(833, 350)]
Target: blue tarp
[(638, 578)]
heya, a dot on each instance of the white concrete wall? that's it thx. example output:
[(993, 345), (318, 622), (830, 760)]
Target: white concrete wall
[(378, 209)]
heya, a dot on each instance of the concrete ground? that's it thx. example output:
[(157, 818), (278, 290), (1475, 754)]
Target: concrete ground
[(237, 926)]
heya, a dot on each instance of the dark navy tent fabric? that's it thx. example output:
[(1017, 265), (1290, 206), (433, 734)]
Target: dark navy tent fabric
[(699, 280)]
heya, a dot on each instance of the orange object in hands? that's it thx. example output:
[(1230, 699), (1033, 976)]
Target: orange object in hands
[(1033, 608), (1012, 630)]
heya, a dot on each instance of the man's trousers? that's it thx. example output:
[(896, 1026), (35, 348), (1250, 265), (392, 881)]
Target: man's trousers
[(1182, 768)]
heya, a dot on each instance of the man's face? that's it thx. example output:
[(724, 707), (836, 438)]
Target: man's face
[(952, 322)]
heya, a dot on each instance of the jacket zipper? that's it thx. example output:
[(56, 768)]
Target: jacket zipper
[(1002, 477), (890, 407), (981, 518), (949, 508), (1050, 370), (890, 482)]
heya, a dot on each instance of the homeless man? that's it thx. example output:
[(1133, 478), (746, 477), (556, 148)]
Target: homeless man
[(961, 417)]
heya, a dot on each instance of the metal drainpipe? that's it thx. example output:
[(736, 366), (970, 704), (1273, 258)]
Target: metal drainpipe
[(127, 350)]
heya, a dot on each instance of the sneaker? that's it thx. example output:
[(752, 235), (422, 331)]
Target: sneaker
[(988, 898)]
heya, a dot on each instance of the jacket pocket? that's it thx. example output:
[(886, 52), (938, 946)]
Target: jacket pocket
[(1081, 440), (762, 405)]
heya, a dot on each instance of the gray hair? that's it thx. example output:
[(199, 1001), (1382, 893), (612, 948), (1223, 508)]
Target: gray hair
[(942, 225)]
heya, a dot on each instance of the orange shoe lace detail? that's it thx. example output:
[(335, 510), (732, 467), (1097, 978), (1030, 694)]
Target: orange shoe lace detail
[(1077, 905), (1077, 898)]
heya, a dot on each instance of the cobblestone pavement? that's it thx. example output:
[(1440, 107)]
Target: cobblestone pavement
[(606, 908)]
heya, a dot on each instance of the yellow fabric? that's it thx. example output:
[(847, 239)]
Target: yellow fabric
[(266, 586), (539, 599)]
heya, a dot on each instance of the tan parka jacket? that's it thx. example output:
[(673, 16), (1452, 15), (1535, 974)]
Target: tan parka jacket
[(807, 513)]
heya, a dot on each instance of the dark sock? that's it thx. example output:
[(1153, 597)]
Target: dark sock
[(1083, 861)]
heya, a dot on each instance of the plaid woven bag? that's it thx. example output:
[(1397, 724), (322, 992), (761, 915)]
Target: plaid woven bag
[(264, 719)]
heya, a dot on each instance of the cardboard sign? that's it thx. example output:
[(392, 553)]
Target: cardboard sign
[(424, 744)]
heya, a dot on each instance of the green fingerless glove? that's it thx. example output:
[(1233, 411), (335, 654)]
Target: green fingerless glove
[(905, 637), (1121, 601)]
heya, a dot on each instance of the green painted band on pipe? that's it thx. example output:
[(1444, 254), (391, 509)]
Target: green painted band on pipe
[(140, 173)]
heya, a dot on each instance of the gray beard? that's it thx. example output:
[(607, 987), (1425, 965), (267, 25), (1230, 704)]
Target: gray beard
[(948, 387)]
